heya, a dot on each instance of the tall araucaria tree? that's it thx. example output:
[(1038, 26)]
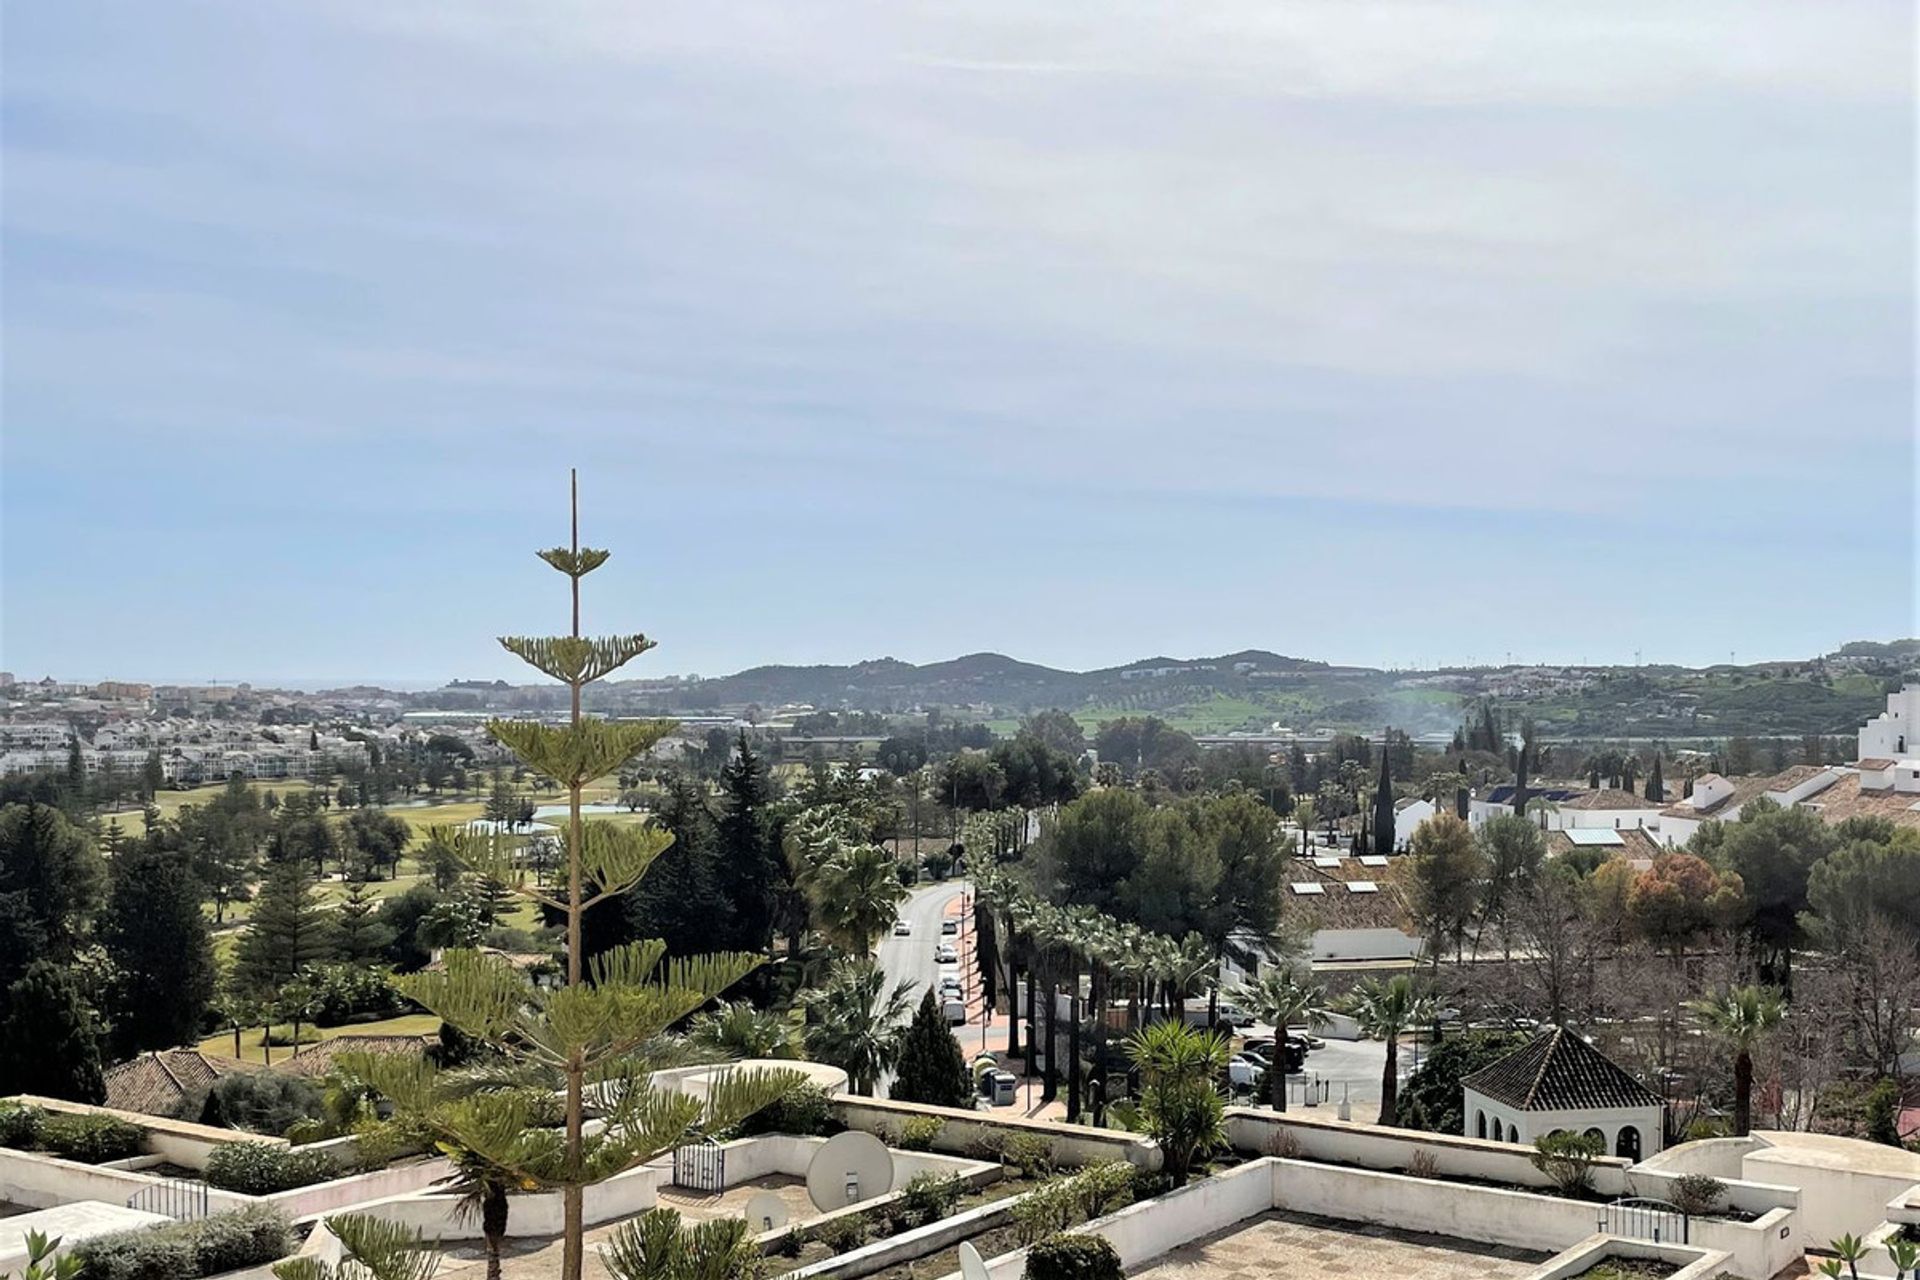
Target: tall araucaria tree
[(596, 1030)]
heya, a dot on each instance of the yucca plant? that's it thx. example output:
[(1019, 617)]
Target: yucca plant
[(601, 1029)]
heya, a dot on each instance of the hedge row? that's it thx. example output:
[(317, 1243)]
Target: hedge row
[(185, 1250)]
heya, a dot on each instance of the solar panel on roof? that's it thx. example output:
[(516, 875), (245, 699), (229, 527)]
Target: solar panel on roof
[(1308, 888), (1593, 836), (1373, 860), (1327, 864), (1362, 886)]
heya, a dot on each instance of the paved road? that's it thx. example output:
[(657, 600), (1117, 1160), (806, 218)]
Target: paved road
[(911, 958)]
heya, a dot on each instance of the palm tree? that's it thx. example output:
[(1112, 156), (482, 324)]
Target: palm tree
[(1279, 997), (856, 890), (1385, 1009), (1305, 815), (735, 1029), (483, 1188), (1179, 1101), (856, 1021), (1740, 1017)]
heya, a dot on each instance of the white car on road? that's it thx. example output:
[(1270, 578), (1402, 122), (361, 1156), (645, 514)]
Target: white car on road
[(902, 929), (945, 954)]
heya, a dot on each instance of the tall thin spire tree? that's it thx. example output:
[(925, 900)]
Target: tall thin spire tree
[(598, 1028)]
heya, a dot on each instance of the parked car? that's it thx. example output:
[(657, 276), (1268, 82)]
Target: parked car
[(945, 954), (950, 926), (1305, 1037), (950, 986), (901, 929)]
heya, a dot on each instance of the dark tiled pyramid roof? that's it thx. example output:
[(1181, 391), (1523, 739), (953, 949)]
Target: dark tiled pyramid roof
[(1560, 1072)]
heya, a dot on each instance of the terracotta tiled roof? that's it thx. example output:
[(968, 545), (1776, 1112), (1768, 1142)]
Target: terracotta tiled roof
[(1337, 906), (1610, 798), (1636, 844), (1876, 763), (1560, 1072), (1845, 799), (1744, 789), (157, 1084), (317, 1059)]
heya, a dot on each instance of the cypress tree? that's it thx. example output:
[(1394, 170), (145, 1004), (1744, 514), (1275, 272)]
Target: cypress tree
[(48, 1045), (1383, 832), (1656, 789), (153, 931), (932, 1070)]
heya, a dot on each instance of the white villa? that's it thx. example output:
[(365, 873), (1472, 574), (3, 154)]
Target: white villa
[(1558, 1083)]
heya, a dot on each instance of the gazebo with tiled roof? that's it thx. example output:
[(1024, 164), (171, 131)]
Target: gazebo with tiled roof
[(1560, 1082)]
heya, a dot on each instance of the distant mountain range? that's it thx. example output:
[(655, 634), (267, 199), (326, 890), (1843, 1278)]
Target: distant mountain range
[(1258, 690)]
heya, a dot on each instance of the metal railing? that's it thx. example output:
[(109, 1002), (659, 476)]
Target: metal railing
[(700, 1166), (1640, 1218), (179, 1198)]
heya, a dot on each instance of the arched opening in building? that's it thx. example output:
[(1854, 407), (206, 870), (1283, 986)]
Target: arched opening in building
[(1628, 1143), (1480, 1124)]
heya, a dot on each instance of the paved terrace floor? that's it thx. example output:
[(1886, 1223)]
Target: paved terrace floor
[(1295, 1246), (540, 1259)]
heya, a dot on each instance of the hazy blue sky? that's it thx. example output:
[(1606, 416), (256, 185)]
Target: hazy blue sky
[(1376, 332)]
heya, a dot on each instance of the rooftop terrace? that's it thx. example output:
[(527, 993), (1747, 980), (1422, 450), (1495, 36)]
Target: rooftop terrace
[(1287, 1245)]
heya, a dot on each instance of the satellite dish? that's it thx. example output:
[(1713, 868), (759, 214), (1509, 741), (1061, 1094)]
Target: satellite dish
[(766, 1212), (849, 1168), (972, 1265)]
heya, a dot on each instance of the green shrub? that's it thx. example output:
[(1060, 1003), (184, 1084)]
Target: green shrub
[(843, 1235), (1567, 1158), (990, 1146), (20, 1125), (261, 1102), (920, 1133), (1148, 1183), (262, 1168), (1073, 1257), (930, 1197), (1030, 1153), (181, 1250), (805, 1110), (1047, 1209), (90, 1138), (1698, 1193), (343, 993), (1101, 1187)]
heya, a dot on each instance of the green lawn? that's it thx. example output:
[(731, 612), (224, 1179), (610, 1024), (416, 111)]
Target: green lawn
[(251, 1049)]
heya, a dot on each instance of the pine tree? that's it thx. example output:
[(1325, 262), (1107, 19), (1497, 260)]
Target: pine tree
[(1656, 789), (748, 872), (932, 1069), (290, 929), (48, 1045), (152, 775), (52, 873), (360, 935), (155, 935), (76, 789), (1383, 815)]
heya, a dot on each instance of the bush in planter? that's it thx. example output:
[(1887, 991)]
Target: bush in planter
[(1073, 1257), (20, 1125), (930, 1197), (806, 1110), (181, 1250), (1031, 1153), (90, 1138), (844, 1235), (920, 1133), (262, 1168), (1698, 1193), (1567, 1158)]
